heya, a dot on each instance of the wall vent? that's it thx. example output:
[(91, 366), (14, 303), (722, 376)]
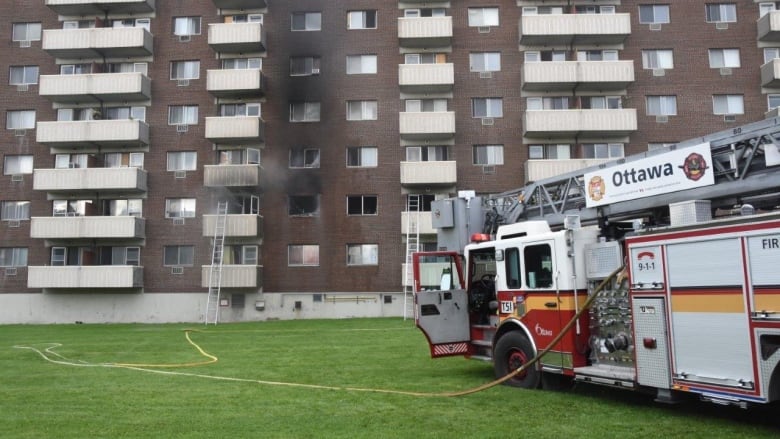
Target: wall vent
[(662, 119), (23, 87), (655, 26), (20, 133), (14, 223), (10, 271), (25, 43), (180, 174), (183, 82), (184, 38), (178, 221), (483, 29), (489, 170), (485, 75), (721, 26), (17, 177), (177, 270), (725, 71), (729, 118), (659, 72), (182, 128)]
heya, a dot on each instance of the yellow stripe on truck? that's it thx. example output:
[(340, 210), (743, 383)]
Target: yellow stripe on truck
[(726, 303), (565, 302)]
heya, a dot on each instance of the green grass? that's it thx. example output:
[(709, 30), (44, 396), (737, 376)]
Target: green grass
[(41, 399)]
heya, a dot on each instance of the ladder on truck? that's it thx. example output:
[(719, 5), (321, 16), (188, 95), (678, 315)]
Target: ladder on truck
[(215, 271), (412, 245), (742, 158)]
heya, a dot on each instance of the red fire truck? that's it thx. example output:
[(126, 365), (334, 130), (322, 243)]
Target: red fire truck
[(695, 310)]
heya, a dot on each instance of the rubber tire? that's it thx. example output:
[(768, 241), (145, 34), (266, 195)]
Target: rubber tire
[(512, 351)]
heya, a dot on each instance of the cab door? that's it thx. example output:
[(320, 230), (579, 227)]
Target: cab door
[(441, 302)]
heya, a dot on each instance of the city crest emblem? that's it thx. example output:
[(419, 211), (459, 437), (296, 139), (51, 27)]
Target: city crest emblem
[(596, 188)]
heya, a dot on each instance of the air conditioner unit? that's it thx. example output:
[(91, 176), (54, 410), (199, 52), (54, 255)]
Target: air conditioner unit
[(483, 29), (488, 121), (725, 71), (659, 72), (177, 270), (655, 26), (23, 87), (729, 118), (182, 128), (17, 177), (183, 82), (25, 43), (490, 170), (662, 119), (10, 271), (73, 165), (14, 223), (20, 133), (178, 221), (184, 38), (485, 75), (180, 174), (315, 71), (721, 26)]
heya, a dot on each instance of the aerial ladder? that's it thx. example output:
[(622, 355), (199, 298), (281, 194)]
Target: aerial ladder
[(215, 270), (412, 245)]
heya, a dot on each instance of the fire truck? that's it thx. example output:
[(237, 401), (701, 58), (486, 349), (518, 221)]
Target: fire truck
[(693, 231)]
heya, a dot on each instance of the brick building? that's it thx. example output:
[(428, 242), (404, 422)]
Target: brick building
[(326, 126)]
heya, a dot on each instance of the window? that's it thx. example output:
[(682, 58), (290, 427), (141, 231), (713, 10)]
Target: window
[(17, 164), (361, 64), (436, 153), (127, 67), (178, 255), (304, 65), (485, 62), (773, 101), (597, 55), (542, 10), (362, 157), (595, 9), (362, 205), (180, 208), (305, 112), (721, 12), (544, 55), (26, 32), (551, 103), (549, 152), (59, 256), (659, 145), (238, 110), (771, 53), (724, 58), (767, 7), (728, 104), (306, 21), (244, 18), (183, 115), (601, 102), (14, 210), (361, 20), (305, 158), (425, 58), (20, 119), (512, 267), (653, 14), (657, 59), (424, 12), (488, 154), (70, 207), (122, 113), (240, 255), (361, 110), (661, 105), (306, 255), (185, 69), (245, 156), (482, 17), (23, 75), (242, 63), (70, 161), (538, 266), (13, 256), (303, 205), (425, 105), (602, 150), (182, 161), (362, 254), (87, 24), (132, 207), (75, 69), (184, 26), (487, 107)]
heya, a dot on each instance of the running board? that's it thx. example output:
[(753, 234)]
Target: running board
[(617, 376)]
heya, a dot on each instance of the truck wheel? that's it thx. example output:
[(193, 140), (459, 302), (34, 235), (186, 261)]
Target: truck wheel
[(512, 351)]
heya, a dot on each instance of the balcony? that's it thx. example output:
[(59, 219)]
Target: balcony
[(427, 125), (581, 75), (422, 219), (98, 43), (235, 276), (96, 88), (101, 133), (235, 83), (231, 175), (236, 226), (237, 37), (429, 173), (574, 29), (569, 123), (425, 31), (100, 7), (536, 170), (87, 227), (85, 276), (235, 130), (770, 74), (769, 27), (241, 4), (90, 180), (426, 78)]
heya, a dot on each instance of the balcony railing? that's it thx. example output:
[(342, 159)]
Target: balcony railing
[(429, 173), (85, 133), (769, 27), (427, 125), (87, 227), (770, 74), (574, 29), (426, 78), (108, 180), (96, 88), (236, 225), (421, 219), (235, 83), (235, 276), (536, 170), (85, 276), (240, 4), (568, 123), (235, 130), (237, 37), (98, 43), (582, 75), (231, 175), (100, 7), (425, 31)]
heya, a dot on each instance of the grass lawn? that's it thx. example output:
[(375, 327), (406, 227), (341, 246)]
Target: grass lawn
[(247, 392)]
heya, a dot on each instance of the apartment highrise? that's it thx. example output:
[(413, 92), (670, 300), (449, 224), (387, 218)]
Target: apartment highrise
[(326, 127)]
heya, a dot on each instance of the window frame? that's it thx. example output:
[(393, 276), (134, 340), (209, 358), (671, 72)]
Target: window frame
[(18, 257), (361, 61), (308, 107), (36, 34), (721, 55), (365, 16), (24, 80), (369, 110), (363, 209), (663, 100), (489, 107), (655, 19), (478, 12), (358, 154), (709, 11), (306, 15), (182, 161), (182, 212), (14, 210), (175, 69), (492, 155), (306, 155), (11, 115), (181, 260), (187, 113), (192, 22), (370, 259), (486, 62), (313, 251), (654, 56), (21, 158), (730, 99)]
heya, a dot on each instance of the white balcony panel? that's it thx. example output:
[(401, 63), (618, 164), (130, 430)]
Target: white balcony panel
[(536, 170), (87, 227), (235, 83), (96, 88), (85, 276), (231, 175), (426, 78), (770, 74), (100, 7), (572, 29), (110, 180), (427, 125), (237, 37), (421, 219), (240, 130), (236, 226), (241, 4), (582, 75), (425, 31), (430, 173), (93, 132), (96, 43), (568, 123), (235, 276), (769, 27)]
